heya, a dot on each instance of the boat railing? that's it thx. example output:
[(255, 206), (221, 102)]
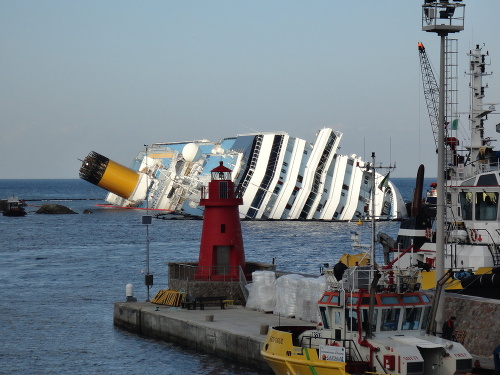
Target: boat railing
[(481, 166), (351, 349), (393, 279)]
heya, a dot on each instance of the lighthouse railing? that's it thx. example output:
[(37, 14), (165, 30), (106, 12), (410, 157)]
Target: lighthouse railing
[(220, 191), (192, 272)]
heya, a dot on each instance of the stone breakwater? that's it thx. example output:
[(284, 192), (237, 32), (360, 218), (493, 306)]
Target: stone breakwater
[(479, 318)]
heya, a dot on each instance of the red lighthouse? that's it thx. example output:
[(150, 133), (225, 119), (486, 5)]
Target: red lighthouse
[(221, 248)]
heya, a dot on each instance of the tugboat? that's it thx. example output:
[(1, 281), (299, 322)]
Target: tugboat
[(472, 193), (372, 321), (14, 207)]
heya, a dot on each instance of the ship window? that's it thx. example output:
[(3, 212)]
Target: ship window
[(351, 300), (324, 298), (299, 178), (390, 319), (411, 299), (466, 205), (324, 317), (170, 193), (337, 317), (425, 298), (223, 228), (469, 182), (392, 300), (425, 316), (411, 318), (252, 212), (351, 319), (365, 319), (335, 299), (489, 179), (365, 301), (486, 206)]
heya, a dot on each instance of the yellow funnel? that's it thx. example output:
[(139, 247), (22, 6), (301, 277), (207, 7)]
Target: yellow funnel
[(107, 174)]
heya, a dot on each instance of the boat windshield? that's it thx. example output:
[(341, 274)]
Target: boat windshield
[(365, 319), (390, 319), (486, 206), (411, 318)]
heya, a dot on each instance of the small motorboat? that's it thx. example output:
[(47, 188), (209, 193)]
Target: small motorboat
[(14, 207)]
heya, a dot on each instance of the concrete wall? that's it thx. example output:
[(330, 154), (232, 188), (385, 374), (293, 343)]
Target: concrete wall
[(237, 348)]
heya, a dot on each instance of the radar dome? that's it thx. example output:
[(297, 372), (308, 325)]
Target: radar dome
[(191, 152)]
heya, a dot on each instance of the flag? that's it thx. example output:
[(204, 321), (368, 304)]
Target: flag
[(454, 124), (385, 182)]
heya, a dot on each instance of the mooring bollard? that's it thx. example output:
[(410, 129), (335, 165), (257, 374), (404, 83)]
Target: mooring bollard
[(129, 293), (209, 318), (264, 328)]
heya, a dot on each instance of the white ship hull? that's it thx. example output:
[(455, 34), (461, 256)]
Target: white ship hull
[(280, 177)]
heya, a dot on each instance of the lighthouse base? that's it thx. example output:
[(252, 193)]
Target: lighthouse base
[(183, 277)]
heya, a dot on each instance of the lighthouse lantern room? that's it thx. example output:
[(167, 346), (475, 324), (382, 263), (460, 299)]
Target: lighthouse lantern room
[(221, 248)]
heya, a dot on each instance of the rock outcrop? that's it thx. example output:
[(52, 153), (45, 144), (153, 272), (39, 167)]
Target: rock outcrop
[(54, 209)]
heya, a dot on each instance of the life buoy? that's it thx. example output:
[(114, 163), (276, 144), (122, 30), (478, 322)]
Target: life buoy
[(473, 235)]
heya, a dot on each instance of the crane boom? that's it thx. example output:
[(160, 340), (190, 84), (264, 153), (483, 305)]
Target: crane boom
[(431, 91)]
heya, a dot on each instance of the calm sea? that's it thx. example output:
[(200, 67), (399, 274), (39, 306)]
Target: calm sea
[(61, 274)]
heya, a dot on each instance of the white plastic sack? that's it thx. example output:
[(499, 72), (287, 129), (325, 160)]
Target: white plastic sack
[(286, 295), (262, 291)]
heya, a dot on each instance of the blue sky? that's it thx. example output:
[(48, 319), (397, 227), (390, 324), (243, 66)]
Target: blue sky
[(111, 76)]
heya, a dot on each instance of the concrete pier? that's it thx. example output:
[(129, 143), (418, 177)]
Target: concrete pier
[(234, 333), (237, 334)]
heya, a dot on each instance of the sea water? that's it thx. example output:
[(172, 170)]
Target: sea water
[(61, 274)]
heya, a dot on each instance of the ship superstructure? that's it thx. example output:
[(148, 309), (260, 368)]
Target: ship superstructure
[(280, 177), (472, 193)]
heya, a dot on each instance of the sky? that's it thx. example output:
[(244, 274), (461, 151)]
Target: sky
[(113, 75)]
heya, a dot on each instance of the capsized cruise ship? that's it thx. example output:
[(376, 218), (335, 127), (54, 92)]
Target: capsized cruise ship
[(280, 177)]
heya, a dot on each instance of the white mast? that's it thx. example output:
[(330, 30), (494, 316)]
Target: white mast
[(478, 63), (441, 17)]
